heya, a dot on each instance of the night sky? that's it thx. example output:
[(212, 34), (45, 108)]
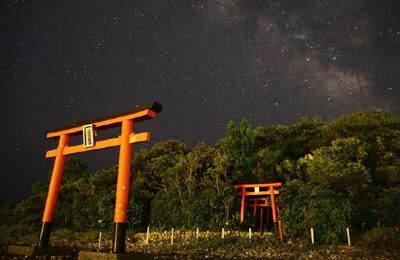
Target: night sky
[(207, 62)]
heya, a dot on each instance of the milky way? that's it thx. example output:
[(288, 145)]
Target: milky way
[(206, 62)]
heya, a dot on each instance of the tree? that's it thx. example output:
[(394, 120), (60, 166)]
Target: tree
[(336, 184), (239, 146), (74, 169), (151, 175)]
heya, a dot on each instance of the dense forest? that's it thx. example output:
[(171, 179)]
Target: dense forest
[(345, 173)]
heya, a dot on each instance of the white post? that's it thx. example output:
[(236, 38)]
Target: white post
[(148, 235), (348, 236), (99, 245), (312, 235), (250, 233), (197, 233), (223, 233), (172, 236)]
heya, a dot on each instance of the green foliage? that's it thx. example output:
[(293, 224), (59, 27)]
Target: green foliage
[(84, 202), (294, 140), (74, 169), (336, 181), (196, 191), (386, 207), (39, 187), (378, 237), (21, 219), (345, 173), (343, 184), (239, 146)]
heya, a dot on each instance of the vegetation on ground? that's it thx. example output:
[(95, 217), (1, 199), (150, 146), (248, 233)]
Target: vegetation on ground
[(210, 245)]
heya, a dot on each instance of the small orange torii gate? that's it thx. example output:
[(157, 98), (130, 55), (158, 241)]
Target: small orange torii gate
[(89, 131), (263, 204), (255, 190)]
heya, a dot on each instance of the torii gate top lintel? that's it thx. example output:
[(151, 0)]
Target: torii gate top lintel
[(137, 114), (261, 185)]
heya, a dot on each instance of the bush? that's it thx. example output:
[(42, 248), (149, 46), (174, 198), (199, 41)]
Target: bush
[(381, 238)]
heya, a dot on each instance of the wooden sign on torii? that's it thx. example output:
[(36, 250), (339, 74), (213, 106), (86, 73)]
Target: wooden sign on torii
[(89, 131)]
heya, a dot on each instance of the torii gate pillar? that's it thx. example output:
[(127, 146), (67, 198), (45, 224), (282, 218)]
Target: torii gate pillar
[(123, 183), (125, 140), (54, 188)]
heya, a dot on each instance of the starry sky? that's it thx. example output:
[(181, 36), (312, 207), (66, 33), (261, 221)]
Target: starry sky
[(207, 62)]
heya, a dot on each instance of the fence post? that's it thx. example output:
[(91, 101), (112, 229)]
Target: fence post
[(280, 230), (172, 236), (312, 236), (148, 235), (223, 233), (348, 236), (250, 233), (99, 245)]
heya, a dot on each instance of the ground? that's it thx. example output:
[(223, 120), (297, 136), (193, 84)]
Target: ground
[(208, 245)]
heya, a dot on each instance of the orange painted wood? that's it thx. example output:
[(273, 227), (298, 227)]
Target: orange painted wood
[(259, 205), (280, 230), (98, 145), (251, 193), (261, 185), (242, 204), (80, 149), (139, 138), (256, 204), (133, 138), (123, 181), (273, 206), (138, 116), (243, 193), (258, 199), (55, 181)]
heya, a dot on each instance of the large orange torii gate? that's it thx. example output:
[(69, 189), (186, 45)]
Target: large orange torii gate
[(89, 131), (266, 189)]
